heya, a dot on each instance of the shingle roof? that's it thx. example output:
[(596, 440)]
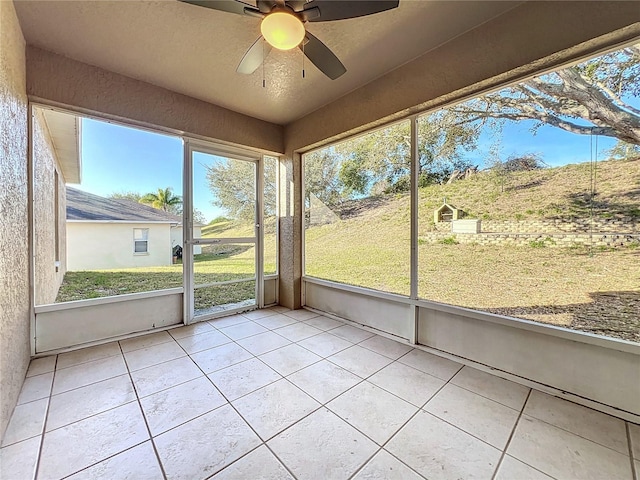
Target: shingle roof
[(87, 206)]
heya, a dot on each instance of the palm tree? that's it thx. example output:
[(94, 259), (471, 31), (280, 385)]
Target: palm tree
[(162, 200)]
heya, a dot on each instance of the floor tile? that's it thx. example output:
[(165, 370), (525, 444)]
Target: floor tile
[(375, 412), (165, 375), (412, 385), (297, 331), (276, 321), (385, 466), (360, 361), (243, 330), (137, 463), (259, 464), (88, 354), (27, 421), (595, 426), (144, 341), (153, 355), (203, 341), (289, 359), (338, 449), (18, 461), (244, 377), (263, 343), (35, 388), (440, 451), (301, 314), (324, 323), (275, 407), (203, 446), (561, 454), (87, 373), (191, 330), (431, 364), (483, 418), (387, 347), (351, 333), (228, 321), (323, 380), (512, 469), (498, 389), (220, 357), (279, 309), (176, 405), (74, 405), (634, 431), (38, 366), (260, 313), (79, 445), (325, 344)]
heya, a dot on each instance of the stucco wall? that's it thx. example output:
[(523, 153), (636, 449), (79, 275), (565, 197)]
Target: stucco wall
[(14, 268), (46, 173), (100, 246), (90, 89)]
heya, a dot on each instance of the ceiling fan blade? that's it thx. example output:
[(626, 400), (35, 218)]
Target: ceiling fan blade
[(322, 57), (231, 6), (332, 10), (254, 57)]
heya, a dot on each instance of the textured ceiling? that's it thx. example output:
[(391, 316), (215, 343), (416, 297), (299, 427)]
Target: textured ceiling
[(195, 51)]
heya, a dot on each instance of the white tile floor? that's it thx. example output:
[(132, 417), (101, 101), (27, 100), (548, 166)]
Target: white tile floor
[(276, 394)]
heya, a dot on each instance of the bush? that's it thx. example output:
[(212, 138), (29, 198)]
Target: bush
[(449, 241)]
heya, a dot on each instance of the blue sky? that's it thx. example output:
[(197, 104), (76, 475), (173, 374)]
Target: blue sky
[(119, 159)]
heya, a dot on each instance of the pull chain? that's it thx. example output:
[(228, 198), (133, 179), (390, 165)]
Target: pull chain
[(264, 83), (303, 55)]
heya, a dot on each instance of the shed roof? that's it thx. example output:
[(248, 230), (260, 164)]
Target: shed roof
[(89, 207)]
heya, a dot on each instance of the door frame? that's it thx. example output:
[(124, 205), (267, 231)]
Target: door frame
[(190, 147)]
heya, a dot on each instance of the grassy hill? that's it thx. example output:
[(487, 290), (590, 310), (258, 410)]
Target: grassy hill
[(370, 246), (562, 192)]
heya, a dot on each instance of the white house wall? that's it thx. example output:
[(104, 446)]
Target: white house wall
[(46, 173), (14, 231), (101, 246), (176, 238)]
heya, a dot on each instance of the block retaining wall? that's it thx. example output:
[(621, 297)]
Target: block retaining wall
[(558, 240)]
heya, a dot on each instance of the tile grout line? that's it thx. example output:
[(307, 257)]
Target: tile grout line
[(46, 418), (634, 473), (513, 431), (144, 418), (397, 431), (262, 442)]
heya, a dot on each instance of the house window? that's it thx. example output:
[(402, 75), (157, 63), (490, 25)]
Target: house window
[(140, 240)]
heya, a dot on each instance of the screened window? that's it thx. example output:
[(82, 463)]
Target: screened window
[(141, 240)]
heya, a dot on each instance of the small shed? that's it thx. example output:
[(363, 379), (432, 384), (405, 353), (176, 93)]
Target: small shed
[(447, 213)]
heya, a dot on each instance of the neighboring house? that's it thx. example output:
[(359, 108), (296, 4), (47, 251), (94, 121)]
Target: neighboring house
[(106, 233)]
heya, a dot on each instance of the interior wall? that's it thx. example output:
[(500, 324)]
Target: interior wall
[(14, 236), (46, 173), (60, 80)]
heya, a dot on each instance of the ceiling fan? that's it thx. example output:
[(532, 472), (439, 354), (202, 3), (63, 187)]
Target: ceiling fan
[(283, 27)]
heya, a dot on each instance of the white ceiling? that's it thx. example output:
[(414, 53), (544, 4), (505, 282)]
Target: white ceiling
[(195, 51)]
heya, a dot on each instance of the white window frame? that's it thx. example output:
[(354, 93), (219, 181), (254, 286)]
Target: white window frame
[(145, 238)]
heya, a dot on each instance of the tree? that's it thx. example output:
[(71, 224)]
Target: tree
[(588, 98), (132, 196), (380, 162), (233, 185), (164, 199)]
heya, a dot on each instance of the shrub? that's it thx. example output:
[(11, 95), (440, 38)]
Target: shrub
[(449, 240)]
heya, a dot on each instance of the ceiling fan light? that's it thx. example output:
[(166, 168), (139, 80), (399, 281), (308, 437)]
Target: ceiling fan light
[(282, 30)]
